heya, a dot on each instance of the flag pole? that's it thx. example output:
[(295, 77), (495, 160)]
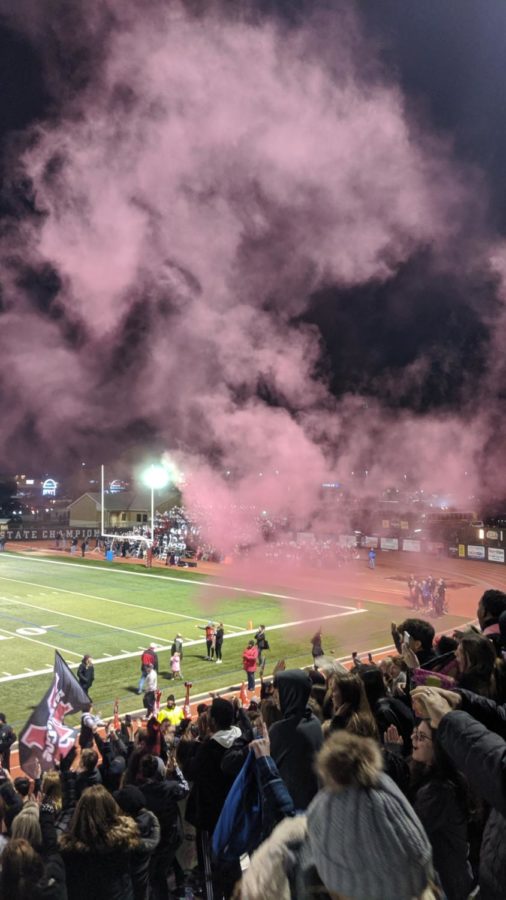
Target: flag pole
[(102, 511)]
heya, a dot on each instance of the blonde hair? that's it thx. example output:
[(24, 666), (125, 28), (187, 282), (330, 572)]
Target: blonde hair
[(26, 825), (51, 788)]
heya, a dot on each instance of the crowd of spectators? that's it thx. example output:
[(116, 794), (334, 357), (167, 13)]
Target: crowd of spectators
[(383, 780)]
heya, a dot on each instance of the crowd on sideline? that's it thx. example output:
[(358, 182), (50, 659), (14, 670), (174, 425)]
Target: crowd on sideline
[(379, 781)]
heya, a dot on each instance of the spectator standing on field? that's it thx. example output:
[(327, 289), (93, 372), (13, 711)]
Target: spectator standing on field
[(209, 630), (177, 646), (262, 645), (86, 673), (371, 558), (175, 666), (249, 663), (218, 642), (316, 646), (7, 738), (149, 657), (150, 688)]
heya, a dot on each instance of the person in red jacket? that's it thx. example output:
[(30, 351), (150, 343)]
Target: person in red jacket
[(249, 663), (149, 657)]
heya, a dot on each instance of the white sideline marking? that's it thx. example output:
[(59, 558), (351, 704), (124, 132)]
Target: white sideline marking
[(213, 584), (97, 662), (163, 612)]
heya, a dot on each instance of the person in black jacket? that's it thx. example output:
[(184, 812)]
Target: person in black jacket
[(439, 797), (387, 710), (131, 801), (98, 849), (481, 756), (297, 737), (209, 790), (86, 673), (24, 873), (161, 796), (7, 738)]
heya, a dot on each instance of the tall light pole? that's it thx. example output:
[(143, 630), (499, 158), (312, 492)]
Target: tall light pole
[(155, 477)]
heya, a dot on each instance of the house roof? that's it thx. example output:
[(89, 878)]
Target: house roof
[(123, 501)]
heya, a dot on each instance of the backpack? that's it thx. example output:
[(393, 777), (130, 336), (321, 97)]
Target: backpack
[(239, 828)]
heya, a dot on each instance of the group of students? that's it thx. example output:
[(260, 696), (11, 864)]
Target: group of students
[(428, 594), (377, 782)]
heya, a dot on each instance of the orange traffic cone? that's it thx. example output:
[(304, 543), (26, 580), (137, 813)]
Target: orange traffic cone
[(243, 696)]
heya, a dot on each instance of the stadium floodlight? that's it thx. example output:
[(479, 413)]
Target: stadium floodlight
[(155, 477)]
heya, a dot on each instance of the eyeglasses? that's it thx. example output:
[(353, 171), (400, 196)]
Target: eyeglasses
[(420, 736)]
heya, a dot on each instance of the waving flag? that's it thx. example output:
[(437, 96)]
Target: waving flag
[(45, 737)]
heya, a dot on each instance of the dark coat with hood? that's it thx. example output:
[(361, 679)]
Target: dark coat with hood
[(102, 872), (481, 756), (296, 738)]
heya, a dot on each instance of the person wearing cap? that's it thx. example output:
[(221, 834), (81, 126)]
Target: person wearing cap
[(360, 838), (148, 656), (172, 713)]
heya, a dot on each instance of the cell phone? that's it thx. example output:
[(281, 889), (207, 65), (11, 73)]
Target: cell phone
[(406, 637), (257, 733)]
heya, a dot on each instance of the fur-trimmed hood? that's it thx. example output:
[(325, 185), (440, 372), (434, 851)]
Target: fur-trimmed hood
[(266, 878), (121, 838)]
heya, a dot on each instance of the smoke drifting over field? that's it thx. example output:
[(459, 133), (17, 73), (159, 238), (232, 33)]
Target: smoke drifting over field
[(201, 182)]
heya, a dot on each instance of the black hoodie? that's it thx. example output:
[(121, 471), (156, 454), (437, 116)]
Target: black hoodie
[(296, 738)]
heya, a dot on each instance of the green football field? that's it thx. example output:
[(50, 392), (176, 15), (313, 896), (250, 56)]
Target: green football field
[(114, 612)]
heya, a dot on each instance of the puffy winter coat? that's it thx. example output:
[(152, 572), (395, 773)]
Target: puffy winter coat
[(101, 873), (481, 756)]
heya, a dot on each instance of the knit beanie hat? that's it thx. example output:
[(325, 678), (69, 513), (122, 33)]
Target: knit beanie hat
[(130, 799), (366, 840)]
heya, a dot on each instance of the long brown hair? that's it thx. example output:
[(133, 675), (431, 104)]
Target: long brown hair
[(98, 824), (22, 871)]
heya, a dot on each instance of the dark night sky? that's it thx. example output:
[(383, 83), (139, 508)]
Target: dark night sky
[(449, 58)]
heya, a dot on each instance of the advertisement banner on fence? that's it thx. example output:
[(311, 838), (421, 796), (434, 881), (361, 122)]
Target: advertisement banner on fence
[(495, 554), (475, 552), (411, 546), (492, 535), (437, 547), (389, 544), (370, 542), (462, 551), (348, 540)]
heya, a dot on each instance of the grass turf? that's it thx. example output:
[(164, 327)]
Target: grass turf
[(88, 607)]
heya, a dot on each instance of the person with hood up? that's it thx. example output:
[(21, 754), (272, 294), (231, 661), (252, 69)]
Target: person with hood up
[(360, 838), (162, 789), (297, 737)]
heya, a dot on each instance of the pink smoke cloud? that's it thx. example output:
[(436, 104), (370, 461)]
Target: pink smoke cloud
[(212, 175)]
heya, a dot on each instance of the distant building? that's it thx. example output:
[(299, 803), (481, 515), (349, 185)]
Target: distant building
[(121, 510)]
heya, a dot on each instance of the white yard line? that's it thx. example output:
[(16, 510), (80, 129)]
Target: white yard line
[(162, 612), (110, 659), (24, 637), (212, 584), (58, 612)]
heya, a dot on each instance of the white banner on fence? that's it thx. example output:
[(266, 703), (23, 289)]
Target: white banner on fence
[(370, 542), (411, 546), (492, 535), (389, 544), (495, 554), (475, 552), (348, 540)]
